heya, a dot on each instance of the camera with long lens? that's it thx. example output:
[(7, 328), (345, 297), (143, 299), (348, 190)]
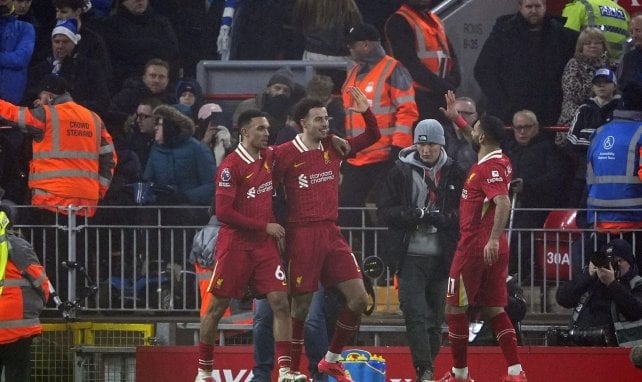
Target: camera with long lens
[(592, 336), (602, 259)]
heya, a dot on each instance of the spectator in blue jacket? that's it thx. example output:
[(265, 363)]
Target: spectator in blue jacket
[(17, 39), (179, 161)]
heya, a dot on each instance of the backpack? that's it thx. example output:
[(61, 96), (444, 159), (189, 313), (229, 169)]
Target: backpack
[(204, 244)]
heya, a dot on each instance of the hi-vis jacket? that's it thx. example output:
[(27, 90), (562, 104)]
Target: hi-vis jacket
[(24, 294), (388, 87), (73, 154), (605, 15), (614, 175), (431, 42)]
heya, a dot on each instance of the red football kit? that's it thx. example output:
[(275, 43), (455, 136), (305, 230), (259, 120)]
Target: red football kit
[(315, 247), (472, 282), (245, 253)]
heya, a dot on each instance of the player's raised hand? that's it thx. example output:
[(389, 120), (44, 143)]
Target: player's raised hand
[(450, 112), (359, 100)]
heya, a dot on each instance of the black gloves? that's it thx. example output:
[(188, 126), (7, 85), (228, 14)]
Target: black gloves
[(434, 218), (437, 219)]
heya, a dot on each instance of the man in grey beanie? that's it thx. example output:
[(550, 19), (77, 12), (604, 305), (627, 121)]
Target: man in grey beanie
[(419, 202)]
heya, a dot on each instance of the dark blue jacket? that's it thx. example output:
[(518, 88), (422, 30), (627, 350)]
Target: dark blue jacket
[(186, 164), (17, 39)]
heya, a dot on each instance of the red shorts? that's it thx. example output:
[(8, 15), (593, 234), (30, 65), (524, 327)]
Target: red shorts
[(235, 269), (471, 282), (318, 252)]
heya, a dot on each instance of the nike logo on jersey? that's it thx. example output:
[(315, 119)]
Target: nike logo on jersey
[(299, 164), (248, 176)]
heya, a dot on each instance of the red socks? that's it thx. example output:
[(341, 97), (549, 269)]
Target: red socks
[(283, 358), (458, 337), (205, 356), (344, 330), (297, 343), (505, 333)]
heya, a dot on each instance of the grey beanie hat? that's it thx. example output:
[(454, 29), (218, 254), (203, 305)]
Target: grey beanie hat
[(431, 131)]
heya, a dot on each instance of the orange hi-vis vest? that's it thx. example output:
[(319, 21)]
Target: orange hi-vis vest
[(65, 163), (203, 277), (23, 297), (430, 41), (394, 108)]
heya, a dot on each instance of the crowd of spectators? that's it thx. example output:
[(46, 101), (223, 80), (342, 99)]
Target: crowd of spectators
[(122, 59)]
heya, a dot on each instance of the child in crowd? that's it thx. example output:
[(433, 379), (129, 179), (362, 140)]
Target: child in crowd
[(189, 96)]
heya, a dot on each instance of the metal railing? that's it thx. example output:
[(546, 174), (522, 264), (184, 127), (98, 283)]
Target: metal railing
[(142, 264)]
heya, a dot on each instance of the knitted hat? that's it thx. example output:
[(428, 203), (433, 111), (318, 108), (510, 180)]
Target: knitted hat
[(67, 28), (363, 32), (621, 248), (188, 86), (430, 131), (53, 83), (279, 78)]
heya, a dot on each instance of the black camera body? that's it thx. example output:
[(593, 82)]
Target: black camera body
[(602, 260), (592, 336)]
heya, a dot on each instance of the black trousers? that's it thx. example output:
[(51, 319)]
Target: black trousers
[(15, 359)]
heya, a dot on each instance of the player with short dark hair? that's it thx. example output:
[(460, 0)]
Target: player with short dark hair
[(246, 248), (480, 265), (308, 167)]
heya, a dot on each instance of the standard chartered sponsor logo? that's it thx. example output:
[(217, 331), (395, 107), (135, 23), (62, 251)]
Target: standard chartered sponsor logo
[(321, 177), (305, 182), (265, 187), (254, 191)]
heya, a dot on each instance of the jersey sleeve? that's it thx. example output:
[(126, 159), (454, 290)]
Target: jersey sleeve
[(227, 183), (495, 179)]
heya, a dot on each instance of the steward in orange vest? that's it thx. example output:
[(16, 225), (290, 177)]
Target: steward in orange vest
[(24, 290), (428, 56), (73, 154), (388, 87)]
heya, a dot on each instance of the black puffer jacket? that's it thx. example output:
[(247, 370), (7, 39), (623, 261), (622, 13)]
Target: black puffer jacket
[(397, 210), (517, 69), (544, 169), (133, 91), (135, 39)]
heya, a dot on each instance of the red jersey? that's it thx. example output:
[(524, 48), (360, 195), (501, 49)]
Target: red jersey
[(310, 178), (487, 178), (244, 197)]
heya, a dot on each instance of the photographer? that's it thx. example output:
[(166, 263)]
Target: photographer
[(609, 287)]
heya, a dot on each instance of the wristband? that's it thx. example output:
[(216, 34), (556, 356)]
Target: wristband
[(461, 122)]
